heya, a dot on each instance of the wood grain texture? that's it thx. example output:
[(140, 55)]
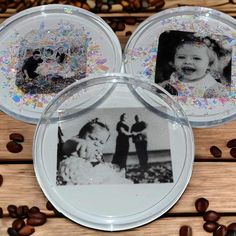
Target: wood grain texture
[(9, 125), (204, 139), (160, 227), (208, 180)]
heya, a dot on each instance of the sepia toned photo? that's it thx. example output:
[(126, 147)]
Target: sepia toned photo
[(114, 146), (194, 65)]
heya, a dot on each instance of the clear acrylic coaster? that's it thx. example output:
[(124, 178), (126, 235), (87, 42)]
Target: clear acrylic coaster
[(189, 51), (44, 49), (113, 152)]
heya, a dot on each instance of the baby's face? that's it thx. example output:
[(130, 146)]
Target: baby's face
[(98, 137), (191, 61)]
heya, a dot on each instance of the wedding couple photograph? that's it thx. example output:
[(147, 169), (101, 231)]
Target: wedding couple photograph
[(114, 146)]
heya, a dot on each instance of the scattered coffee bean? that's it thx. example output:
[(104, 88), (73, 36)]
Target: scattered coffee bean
[(215, 151), (1, 212), (1, 180), (22, 211), (185, 230), (120, 26), (12, 210), (201, 205), (233, 152), (232, 226), (16, 137), (12, 232), (130, 21), (36, 219), (18, 224), (220, 231), (34, 209), (231, 233), (26, 230), (128, 33), (211, 216), (14, 147), (231, 143), (49, 206), (210, 226)]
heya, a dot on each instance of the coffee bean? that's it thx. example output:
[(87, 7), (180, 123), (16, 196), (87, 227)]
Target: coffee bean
[(215, 151), (201, 204), (12, 210), (18, 224), (231, 233), (233, 152), (26, 230), (232, 226), (14, 147), (128, 33), (36, 219), (1, 212), (22, 211), (120, 26), (16, 137), (12, 232), (130, 21), (49, 206), (231, 143), (1, 180), (185, 230), (211, 216), (220, 231), (34, 209), (210, 226)]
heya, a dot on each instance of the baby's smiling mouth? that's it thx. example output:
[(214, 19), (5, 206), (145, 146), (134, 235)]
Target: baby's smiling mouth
[(188, 70)]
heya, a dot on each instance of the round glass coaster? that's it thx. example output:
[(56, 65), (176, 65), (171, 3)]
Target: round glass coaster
[(189, 51), (113, 152), (44, 49)]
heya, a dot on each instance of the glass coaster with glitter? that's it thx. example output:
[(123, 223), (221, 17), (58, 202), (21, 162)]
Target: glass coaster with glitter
[(189, 51), (113, 152), (45, 49)]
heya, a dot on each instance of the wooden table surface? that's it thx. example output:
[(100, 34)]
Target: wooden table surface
[(212, 178)]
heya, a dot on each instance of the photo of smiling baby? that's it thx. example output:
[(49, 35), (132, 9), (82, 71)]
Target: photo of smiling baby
[(193, 65)]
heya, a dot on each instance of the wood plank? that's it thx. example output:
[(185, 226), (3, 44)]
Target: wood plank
[(209, 180), (205, 3), (162, 227), (204, 139), (217, 135), (9, 125)]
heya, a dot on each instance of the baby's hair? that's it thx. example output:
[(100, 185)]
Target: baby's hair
[(211, 46), (122, 116), (90, 126)]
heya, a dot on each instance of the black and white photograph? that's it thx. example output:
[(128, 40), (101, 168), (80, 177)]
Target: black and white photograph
[(114, 146), (51, 68), (194, 65)]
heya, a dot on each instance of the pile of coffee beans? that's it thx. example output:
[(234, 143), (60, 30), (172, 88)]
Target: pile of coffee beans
[(15, 145), (211, 224), (216, 151), (25, 220), (97, 6), (232, 145), (211, 219)]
